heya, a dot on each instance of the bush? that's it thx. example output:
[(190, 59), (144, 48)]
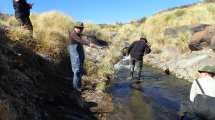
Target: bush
[(20, 35), (51, 31), (180, 12), (209, 1)]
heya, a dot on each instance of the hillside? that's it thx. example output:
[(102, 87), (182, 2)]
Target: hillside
[(169, 33), (32, 87), (175, 54), (45, 63), (34, 71)]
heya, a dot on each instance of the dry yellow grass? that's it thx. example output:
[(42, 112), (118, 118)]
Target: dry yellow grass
[(154, 27), (51, 32), (50, 35), (19, 34)]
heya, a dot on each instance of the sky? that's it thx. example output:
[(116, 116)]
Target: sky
[(100, 11)]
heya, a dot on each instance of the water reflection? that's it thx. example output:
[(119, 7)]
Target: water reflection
[(157, 97), (138, 105)]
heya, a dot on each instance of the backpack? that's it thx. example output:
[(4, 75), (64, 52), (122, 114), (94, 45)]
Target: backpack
[(147, 50), (204, 105)]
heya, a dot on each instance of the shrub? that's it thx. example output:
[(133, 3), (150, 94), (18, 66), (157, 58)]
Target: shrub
[(209, 1), (19, 35), (180, 12), (51, 31)]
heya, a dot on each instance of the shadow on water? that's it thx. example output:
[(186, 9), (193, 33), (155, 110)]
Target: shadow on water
[(156, 97)]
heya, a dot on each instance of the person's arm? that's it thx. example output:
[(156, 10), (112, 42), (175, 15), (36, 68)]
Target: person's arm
[(147, 49), (23, 4), (130, 47), (90, 44), (16, 3), (30, 5), (81, 40), (193, 91)]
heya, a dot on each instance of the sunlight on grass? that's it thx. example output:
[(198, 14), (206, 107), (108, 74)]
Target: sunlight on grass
[(51, 33)]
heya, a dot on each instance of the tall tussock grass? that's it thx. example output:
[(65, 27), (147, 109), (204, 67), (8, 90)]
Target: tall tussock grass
[(153, 28), (51, 36), (51, 33)]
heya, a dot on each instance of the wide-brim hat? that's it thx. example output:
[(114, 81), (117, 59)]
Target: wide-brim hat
[(208, 69), (79, 25)]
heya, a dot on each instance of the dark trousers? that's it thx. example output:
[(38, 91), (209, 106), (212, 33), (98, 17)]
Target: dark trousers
[(25, 21), (138, 64), (187, 111)]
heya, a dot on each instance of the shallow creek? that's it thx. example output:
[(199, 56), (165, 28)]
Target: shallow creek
[(156, 97)]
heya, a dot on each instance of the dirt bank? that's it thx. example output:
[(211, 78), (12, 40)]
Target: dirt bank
[(33, 87)]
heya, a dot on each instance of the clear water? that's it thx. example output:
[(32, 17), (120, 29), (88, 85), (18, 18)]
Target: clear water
[(157, 97)]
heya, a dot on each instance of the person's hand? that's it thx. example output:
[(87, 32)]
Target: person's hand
[(30, 5), (148, 44), (92, 45)]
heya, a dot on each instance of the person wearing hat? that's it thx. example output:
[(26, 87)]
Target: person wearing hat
[(22, 13), (136, 51), (77, 55), (202, 97), (206, 81)]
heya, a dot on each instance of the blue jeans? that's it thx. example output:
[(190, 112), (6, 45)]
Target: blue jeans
[(77, 57)]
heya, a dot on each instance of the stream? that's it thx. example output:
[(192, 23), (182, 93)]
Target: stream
[(156, 97)]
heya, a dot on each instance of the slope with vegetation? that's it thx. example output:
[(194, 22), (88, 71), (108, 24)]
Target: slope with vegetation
[(170, 52), (175, 53), (31, 86), (41, 68), (48, 48)]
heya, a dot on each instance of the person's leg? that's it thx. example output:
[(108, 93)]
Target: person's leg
[(76, 66), (186, 110), (82, 58), (132, 66), (28, 24), (20, 20), (140, 66)]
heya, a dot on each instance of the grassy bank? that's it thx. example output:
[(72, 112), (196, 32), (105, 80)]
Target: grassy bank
[(51, 34), (50, 40)]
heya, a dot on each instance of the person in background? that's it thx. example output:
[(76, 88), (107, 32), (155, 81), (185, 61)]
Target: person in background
[(22, 13), (136, 51), (206, 81), (77, 55), (202, 95)]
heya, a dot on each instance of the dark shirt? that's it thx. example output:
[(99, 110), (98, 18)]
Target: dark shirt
[(78, 39), (22, 8), (138, 48)]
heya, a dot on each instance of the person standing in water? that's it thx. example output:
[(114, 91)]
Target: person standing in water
[(136, 51)]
